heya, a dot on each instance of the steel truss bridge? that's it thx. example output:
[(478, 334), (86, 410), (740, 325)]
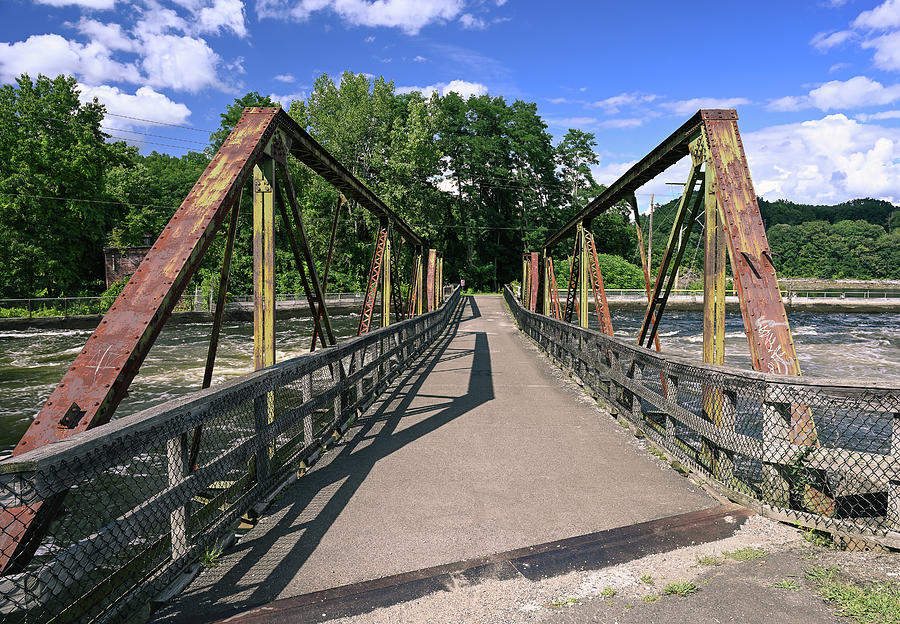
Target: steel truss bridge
[(98, 516)]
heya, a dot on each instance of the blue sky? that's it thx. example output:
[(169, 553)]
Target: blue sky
[(816, 82)]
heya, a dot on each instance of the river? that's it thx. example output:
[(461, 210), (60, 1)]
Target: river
[(861, 346)]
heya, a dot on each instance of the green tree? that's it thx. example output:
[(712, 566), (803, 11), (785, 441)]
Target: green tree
[(54, 161)]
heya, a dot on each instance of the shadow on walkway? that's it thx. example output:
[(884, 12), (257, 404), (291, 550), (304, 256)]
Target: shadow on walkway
[(374, 437)]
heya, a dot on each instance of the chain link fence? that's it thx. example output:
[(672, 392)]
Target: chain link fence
[(820, 453), (130, 513)]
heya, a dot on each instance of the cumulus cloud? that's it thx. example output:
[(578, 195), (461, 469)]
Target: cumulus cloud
[(182, 63), (463, 88), (408, 15), (825, 41), (595, 123), (52, 55), (144, 103), (110, 35), (687, 107), (885, 15), (285, 100), (825, 160), (223, 15), (857, 92)]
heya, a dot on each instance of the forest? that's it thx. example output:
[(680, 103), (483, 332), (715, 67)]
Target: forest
[(479, 178)]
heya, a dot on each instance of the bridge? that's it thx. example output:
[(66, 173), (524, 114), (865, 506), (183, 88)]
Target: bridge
[(465, 438)]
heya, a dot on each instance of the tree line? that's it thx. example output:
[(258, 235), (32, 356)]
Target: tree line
[(479, 178)]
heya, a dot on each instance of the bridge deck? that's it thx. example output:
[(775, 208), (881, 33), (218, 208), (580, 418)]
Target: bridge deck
[(477, 449)]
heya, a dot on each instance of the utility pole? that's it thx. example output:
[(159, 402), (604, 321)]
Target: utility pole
[(650, 240)]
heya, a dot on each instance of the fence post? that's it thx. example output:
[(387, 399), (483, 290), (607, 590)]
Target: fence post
[(672, 384), (177, 452), (893, 505), (65, 307), (723, 467), (776, 433), (305, 397), (29, 308)]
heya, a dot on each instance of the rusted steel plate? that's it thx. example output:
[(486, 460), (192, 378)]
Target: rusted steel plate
[(534, 277), (771, 345)]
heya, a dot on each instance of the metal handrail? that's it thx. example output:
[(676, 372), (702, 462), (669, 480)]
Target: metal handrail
[(732, 427), (138, 515)]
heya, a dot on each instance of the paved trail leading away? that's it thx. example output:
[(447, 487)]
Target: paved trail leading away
[(478, 448)]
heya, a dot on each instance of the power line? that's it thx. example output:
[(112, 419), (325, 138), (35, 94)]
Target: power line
[(159, 136), (89, 201), (115, 136), (162, 123)]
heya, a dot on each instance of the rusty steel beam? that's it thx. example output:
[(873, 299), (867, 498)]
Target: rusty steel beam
[(666, 154), (551, 298), (533, 280), (431, 274), (601, 307), (375, 269), (328, 258)]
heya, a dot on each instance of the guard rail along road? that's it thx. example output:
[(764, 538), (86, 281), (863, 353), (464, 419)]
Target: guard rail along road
[(140, 521), (732, 428)]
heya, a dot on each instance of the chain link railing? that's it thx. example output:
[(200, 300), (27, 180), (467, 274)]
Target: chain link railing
[(744, 430), (136, 514)]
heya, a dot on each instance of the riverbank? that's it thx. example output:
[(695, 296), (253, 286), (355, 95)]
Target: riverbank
[(792, 302)]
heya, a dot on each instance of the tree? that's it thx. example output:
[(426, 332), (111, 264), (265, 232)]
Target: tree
[(54, 161), (575, 155)]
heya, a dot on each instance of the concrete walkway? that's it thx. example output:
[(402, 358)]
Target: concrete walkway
[(477, 449)]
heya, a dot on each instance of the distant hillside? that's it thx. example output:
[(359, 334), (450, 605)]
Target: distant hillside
[(857, 239)]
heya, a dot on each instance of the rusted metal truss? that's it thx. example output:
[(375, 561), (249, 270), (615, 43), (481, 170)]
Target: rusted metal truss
[(256, 150), (551, 293), (584, 272), (380, 256), (718, 184), (530, 279)]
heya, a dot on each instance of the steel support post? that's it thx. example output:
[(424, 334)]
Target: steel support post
[(582, 260), (264, 263), (386, 279), (430, 279), (264, 297), (545, 290), (375, 270)]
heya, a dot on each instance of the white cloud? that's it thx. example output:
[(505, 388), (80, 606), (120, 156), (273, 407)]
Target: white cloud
[(109, 35), (182, 63), (463, 88), (471, 22), (286, 78), (223, 15), (420, 59), (408, 15), (145, 103), (687, 107), (857, 92), (887, 51), (285, 100), (885, 15), (888, 114), (613, 104), (825, 161), (593, 122), (87, 4), (572, 122), (52, 55), (826, 41)]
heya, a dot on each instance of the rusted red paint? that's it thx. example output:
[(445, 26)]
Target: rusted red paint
[(601, 307), (368, 307)]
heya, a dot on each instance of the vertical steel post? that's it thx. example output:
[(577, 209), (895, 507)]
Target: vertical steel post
[(263, 263), (713, 277), (545, 291), (263, 297), (430, 279), (386, 280), (582, 260)]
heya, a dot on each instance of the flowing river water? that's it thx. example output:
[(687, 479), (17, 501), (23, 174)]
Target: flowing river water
[(32, 361)]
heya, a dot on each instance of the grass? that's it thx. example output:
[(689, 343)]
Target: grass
[(786, 584), (680, 468), (649, 598), (210, 558), (818, 538), (559, 603), (747, 554), (655, 451), (709, 560), (867, 603), (680, 589), (646, 579), (608, 592)]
